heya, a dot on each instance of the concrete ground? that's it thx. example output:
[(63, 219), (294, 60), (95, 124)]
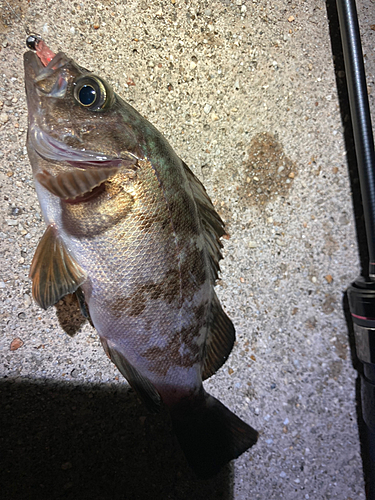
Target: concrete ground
[(247, 94)]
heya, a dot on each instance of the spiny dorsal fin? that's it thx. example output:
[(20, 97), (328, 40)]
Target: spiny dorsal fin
[(142, 386), (212, 224), (53, 270), (220, 339)]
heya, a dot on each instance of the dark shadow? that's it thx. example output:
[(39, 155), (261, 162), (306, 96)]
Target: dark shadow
[(339, 67), (94, 442)]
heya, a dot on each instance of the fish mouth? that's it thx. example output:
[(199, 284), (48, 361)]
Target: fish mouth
[(37, 76)]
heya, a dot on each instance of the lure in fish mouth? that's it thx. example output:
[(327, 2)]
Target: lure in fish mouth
[(133, 233)]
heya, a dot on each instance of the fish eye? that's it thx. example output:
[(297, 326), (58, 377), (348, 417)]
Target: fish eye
[(92, 93), (87, 95)]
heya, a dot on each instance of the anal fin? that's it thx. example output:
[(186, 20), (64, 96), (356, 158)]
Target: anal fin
[(220, 339), (141, 384), (53, 270)]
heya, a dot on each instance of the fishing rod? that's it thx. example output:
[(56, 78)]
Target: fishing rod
[(361, 294)]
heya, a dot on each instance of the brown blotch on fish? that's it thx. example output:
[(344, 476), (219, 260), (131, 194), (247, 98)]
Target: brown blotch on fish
[(135, 304), (182, 207), (181, 348), (194, 267), (201, 311), (268, 172), (132, 305)]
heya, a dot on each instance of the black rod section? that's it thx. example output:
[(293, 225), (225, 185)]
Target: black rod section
[(361, 119), (361, 293)]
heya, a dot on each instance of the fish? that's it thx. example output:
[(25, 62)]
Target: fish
[(133, 233)]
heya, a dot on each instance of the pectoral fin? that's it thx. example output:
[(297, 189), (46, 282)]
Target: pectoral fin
[(53, 270), (74, 183), (143, 387)]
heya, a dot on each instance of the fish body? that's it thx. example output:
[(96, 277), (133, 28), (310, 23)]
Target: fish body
[(130, 226)]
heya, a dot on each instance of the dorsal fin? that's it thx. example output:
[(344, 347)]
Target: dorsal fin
[(141, 384), (213, 226), (220, 339), (53, 270)]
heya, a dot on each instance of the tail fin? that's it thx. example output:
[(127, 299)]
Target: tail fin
[(209, 434)]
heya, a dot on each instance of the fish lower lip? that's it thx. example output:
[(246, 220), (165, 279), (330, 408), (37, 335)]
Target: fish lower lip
[(33, 65)]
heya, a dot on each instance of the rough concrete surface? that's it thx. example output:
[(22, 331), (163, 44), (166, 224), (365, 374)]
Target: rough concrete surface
[(246, 93)]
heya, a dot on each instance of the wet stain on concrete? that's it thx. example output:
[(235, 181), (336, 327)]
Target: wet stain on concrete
[(268, 172), (330, 246), (335, 369)]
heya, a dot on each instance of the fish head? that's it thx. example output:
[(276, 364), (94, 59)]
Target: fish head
[(75, 122)]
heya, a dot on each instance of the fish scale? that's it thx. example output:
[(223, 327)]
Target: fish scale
[(133, 233)]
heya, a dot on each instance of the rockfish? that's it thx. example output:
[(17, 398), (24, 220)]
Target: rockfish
[(132, 231)]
